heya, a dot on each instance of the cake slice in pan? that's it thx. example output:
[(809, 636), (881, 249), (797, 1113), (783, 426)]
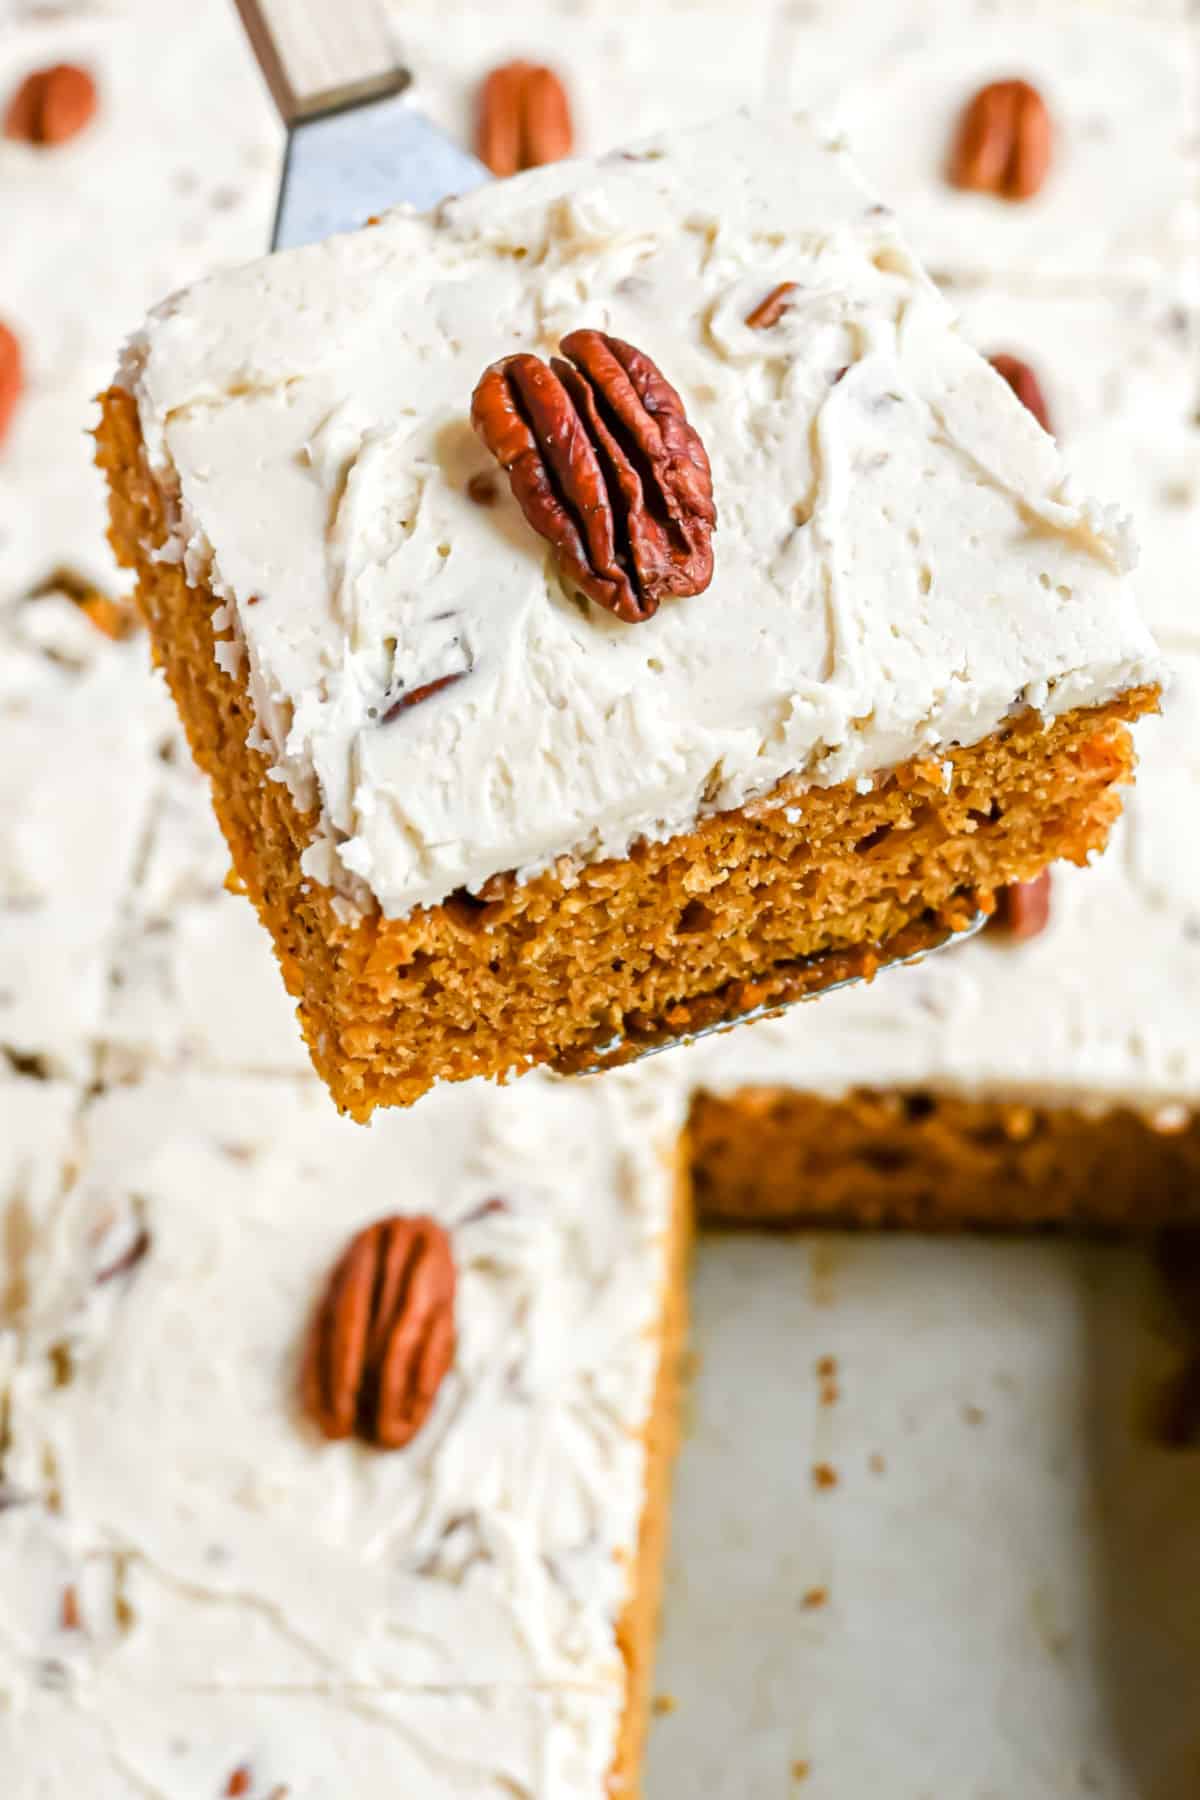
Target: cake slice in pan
[(202, 1577), (752, 638)]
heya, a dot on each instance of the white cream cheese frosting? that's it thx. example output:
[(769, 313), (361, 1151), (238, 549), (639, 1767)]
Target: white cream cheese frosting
[(628, 69), (1122, 85), (80, 725), (221, 1553), (81, 722), (37, 1121), (901, 558), (190, 984), (174, 201)]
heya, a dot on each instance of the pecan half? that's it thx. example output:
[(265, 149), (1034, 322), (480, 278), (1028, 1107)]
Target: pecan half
[(524, 119), (768, 312), (12, 378), (1023, 909), (604, 465), (382, 1338), (51, 105), (1025, 385), (1004, 141)]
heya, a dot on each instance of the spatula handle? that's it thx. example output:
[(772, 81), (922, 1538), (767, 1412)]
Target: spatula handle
[(320, 54)]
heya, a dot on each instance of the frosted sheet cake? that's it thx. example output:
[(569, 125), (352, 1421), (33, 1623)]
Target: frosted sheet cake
[(107, 1646)]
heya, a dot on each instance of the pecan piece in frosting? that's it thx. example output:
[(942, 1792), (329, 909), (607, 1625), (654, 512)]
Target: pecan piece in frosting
[(604, 464), (12, 378), (117, 619), (769, 311), (1003, 143), (51, 105), (524, 119), (1025, 385), (1023, 909), (382, 1339), (415, 696)]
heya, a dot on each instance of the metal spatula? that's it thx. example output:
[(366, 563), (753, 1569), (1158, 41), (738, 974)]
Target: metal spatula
[(355, 145)]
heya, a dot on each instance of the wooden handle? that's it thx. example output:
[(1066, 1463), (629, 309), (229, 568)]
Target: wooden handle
[(318, 55)]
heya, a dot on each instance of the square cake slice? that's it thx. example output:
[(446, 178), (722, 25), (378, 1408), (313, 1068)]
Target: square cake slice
[(451, 1587), (520, 759)]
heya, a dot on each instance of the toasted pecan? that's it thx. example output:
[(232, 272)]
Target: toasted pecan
[(604, 465), (51, 105), (1023, 909), (1004, 142), (524, 119), (382, 1338), (1025, 385)]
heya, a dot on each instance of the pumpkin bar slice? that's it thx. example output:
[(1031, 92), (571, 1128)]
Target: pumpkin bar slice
[(612, 603), (467, 1457)]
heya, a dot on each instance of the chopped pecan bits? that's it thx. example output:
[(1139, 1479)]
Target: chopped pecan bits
[(129, 1258), (486, 1209), (117, 619), (383, 1336), (604, 465), (414, 696), (768, 312), (1004, 140), (1023, 909), (1025, 385), (482, 490), (111, 617), (524, 119), (12, 378), (51, 105)]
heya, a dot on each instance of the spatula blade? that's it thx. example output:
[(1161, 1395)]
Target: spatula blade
[(344, 166)]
